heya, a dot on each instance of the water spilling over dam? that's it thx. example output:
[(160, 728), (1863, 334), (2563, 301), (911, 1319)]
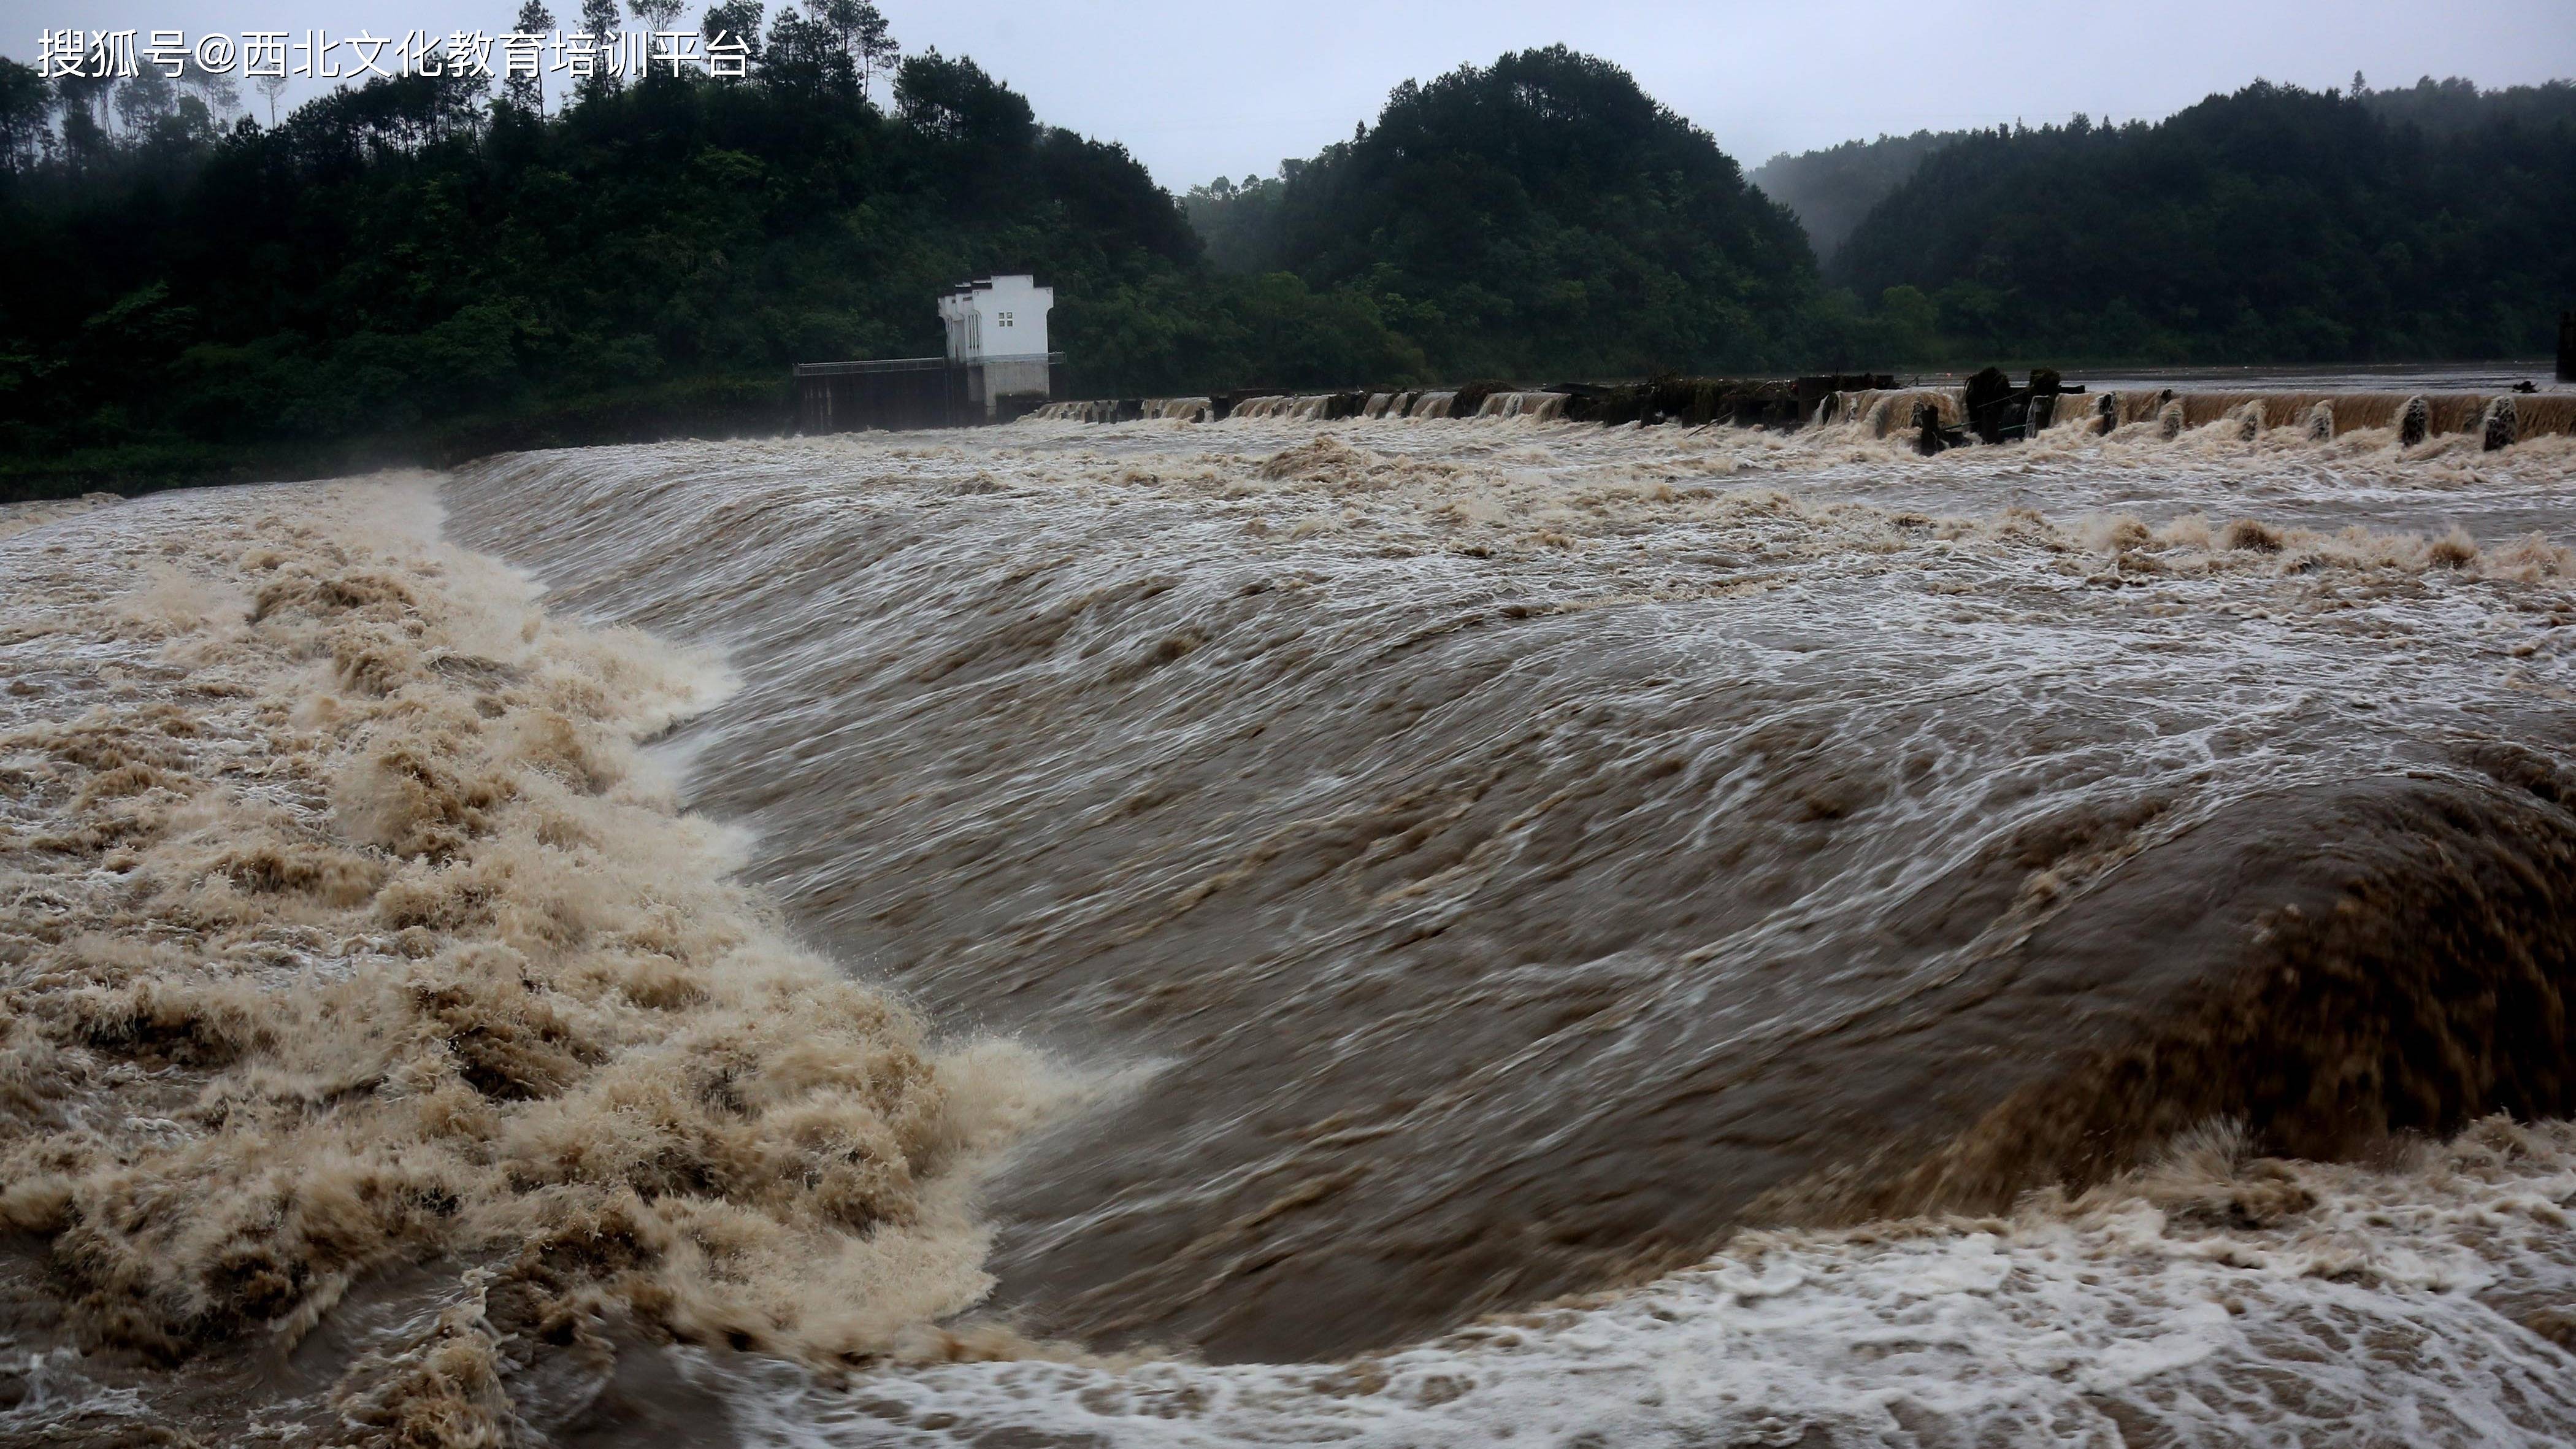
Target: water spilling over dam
[(1410, 925), (1880, 408)]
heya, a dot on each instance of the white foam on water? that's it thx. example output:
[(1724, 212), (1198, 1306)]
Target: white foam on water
[(2424, 1305)]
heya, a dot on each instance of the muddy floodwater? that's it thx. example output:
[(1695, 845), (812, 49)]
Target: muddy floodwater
[(1387, 932)]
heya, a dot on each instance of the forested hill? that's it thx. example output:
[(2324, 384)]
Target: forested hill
[(419, 269), (409, 266), (1831, 190), (2274, 224), (1539, 215)]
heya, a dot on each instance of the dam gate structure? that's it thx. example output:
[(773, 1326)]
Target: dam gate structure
[(996, 369), (1984, 409)]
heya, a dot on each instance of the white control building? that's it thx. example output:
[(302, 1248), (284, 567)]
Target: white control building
[(998, 368), (997, 332)]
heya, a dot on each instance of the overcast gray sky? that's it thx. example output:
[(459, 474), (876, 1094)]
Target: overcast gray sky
[(1202, 89)]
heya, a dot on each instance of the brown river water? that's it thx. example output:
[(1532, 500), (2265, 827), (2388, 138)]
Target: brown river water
[(1377, 932)]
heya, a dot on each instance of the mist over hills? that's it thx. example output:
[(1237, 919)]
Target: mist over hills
[(2274, 224), (1829, 191)]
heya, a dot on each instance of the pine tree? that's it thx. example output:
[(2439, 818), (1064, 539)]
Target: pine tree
[(737, 19), (528, 92), (657, 15), (863, 33), (599, 18), (877, 50)]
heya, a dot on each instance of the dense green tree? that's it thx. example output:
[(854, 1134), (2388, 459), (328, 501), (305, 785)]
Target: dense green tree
[(1540, 215), (2274, 224), (956, 100), (2456, 105), (398, 265), (408, 269), (806, 59)]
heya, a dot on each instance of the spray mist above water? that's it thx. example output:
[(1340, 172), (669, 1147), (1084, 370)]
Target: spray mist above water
[(1673, 937)]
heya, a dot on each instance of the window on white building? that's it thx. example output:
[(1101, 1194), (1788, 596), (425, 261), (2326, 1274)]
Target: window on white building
[(1005, 319)]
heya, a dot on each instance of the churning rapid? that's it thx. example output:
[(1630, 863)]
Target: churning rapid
[(1398, 931)]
